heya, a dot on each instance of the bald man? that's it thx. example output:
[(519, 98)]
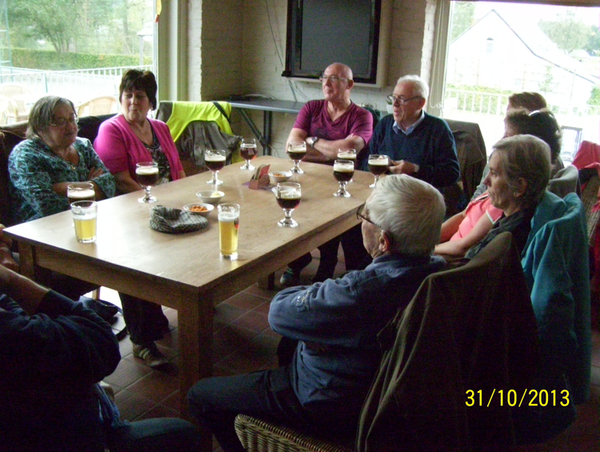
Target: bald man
[(327, 126)]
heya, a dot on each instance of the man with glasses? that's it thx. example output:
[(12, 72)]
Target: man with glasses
[(327, 126), (336, 325), (417, 143)]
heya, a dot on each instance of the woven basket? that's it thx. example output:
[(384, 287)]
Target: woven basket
[(261, 436)]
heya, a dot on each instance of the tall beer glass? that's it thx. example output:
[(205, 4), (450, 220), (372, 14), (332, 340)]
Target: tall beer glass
[(146, 174), (215, 161), (85, 214), (229, 225)]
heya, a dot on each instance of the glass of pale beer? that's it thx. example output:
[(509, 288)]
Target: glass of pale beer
[(85, 214), (248, 152), (296, 151), (146, 174), (215, 161), (343, 170), (378, 165), (229, 226), (288, 195)]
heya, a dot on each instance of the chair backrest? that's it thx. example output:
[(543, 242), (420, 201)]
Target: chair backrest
[(466, 329), (97, 106)]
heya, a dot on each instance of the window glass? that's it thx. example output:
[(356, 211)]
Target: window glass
[(76, 49), (496, 49)]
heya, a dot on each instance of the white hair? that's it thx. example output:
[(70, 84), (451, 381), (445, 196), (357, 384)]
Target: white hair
[(410, 210), (420, 86)]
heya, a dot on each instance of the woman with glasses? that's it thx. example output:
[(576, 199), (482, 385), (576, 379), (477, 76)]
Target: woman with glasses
[(42, 166)]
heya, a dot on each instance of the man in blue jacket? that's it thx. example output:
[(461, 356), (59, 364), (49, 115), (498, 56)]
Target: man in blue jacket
[(417, 143), (336, 324)]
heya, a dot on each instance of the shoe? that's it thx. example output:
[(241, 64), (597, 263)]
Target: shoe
[(150, 354), (289, 278)]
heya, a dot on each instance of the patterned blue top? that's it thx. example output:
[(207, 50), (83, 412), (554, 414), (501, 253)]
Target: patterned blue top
[(34, 168)]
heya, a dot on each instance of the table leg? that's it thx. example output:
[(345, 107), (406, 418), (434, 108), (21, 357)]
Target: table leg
[(267, 125)]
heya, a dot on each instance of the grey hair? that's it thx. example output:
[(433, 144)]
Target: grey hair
[(420, 86), (526, 157), (411, 210), (42, 114)]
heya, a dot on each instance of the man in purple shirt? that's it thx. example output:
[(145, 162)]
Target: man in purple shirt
[(327, 126)]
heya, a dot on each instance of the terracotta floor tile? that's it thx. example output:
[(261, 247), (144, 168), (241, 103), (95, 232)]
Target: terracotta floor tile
[(128, 372), (255, 321), (246, 300), (155, 386), (131, 405)]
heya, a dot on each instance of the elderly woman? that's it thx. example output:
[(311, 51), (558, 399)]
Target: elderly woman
[(467, 228), (123, 141), (132, 137), (518, 177), (42, 166)]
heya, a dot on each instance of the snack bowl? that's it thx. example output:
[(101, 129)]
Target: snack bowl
[(210, 196), (279, 176), (199, 208)]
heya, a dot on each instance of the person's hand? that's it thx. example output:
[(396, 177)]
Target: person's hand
[(95, 172), (402, 167)]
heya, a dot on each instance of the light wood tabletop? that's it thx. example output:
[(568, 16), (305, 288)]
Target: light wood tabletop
[(184, 271)]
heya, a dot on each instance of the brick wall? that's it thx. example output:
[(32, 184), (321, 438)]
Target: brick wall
[(242, 51)]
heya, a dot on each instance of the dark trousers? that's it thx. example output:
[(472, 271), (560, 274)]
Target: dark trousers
[(155, 435), (145, 321), (355, 255), (267, 395)]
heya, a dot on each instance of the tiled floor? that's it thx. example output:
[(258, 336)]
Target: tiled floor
[(244, 342)]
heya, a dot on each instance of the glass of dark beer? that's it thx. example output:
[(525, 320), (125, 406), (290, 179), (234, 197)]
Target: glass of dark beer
[(297, 151), (248, 152), (146, 174), (343, 170), (288, 195), (215, 161), (378, 165)]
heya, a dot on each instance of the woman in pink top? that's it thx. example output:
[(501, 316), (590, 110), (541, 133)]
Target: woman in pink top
[(129, 138)]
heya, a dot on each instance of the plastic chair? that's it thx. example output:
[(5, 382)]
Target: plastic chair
[(97, 106)]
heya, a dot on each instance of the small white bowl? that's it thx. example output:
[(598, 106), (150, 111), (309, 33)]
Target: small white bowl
[(279, 176), (208, 208), (210, 196)]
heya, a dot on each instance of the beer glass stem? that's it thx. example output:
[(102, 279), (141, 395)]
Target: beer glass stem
[(296, 169), (342, 192), (374, 184)]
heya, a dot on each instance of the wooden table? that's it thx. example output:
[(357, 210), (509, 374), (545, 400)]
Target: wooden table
[(184, 271)]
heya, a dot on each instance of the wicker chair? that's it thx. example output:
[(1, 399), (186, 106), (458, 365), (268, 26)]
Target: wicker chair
[(446, 341)]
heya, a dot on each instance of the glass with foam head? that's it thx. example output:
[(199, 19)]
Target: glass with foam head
[(248, 152), (378, 165), (343, 170), (215, 161), (296, 151), (85, 214), (146, 174), (229, 226), (288, 195), (81, 191)]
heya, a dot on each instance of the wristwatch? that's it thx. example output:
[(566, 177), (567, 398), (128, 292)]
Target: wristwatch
[(312, 140)]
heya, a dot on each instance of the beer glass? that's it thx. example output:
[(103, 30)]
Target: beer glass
[(378, 165), (343, 170), (348, 154), (248, 152), (146, 174), (229, 225), (215, 161), (297, 151), (288, 196), (85, 215), (81, 191)]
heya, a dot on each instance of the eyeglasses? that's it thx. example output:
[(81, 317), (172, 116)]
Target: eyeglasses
[(332, 79), (62, 122), (391, 99), (362, 215)]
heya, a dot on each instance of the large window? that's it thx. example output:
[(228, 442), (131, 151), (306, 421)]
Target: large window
[(496, 49), (76, 49)]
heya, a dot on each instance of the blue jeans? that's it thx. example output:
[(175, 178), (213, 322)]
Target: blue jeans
[(155, 435)]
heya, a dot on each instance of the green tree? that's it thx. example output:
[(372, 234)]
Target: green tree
[(593, 44), (567, 32), (463, 14)]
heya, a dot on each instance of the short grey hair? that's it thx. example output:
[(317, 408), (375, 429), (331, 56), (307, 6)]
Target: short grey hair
[(410, 210), (420, 86), (526, 157), (42, 114)]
